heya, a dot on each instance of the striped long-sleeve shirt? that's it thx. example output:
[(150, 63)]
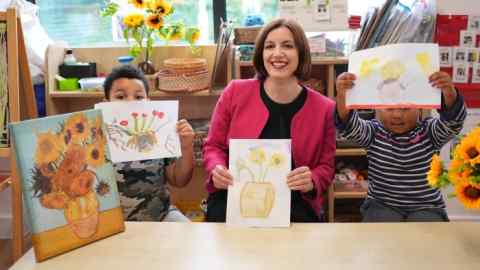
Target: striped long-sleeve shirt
[(398, 164)]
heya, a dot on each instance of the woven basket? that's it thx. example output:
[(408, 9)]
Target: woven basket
[(246, 35), (173, 82), (185, 65)]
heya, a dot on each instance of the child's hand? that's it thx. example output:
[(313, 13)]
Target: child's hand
[(300, 179), (185, 131), (221, 177), (344, 83), (443, 81)]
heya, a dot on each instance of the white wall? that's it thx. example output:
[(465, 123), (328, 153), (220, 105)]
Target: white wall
[(458, 7)]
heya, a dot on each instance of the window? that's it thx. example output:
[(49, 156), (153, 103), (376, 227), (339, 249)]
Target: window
[(79, 22)]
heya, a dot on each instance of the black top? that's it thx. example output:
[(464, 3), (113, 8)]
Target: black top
[(280, 115)]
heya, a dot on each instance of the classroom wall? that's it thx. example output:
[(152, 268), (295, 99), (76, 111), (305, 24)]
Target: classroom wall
[(458, 7)]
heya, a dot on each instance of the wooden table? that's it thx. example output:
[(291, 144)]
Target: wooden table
[(303, 246)]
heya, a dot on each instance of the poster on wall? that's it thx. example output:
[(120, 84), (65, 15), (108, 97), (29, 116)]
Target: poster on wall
[(316, 15)]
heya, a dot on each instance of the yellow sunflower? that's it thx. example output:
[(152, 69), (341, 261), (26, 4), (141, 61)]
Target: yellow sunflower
[(49, 148), (455, 170), (96, 154), (436, 170), (468, 194), (138, 3), (76, 127), (276, 160), (97, 131), (154, 21), (192, 35), (161, 7), (257, 155), (468, 150), (133, 20)]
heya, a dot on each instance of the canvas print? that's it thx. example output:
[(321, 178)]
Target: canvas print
[(394, 76), (445, 56), (259, 196), (460, 72), (141, 130), (68, 182)]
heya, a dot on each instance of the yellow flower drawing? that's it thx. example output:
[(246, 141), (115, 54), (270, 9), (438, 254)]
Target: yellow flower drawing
[(367, 67), (423, 59), (392, 70), (257, 155), (276, 160)]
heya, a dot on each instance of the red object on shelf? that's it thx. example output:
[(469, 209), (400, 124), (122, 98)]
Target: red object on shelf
[(354, 22), (448, 29)]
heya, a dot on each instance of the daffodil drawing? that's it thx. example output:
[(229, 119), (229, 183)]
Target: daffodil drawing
[(257, 197)]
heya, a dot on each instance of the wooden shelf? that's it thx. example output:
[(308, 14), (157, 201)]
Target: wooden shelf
[(342, 191), (153, 94), (342, 152), (4, 152), (5, 182), (76, 94)]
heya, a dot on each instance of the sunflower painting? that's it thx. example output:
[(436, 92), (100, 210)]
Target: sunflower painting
[(143, 130), (260, 194), (463, 171), (68, 181)]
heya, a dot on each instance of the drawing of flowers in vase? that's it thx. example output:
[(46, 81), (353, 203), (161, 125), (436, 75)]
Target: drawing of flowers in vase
[(257, 197), (139, 133), (64, 173)]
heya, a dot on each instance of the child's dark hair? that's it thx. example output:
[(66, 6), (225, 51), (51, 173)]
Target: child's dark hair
[(125, 71)]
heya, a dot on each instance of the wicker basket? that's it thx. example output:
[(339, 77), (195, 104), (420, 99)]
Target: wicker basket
[(246, 35), (185, 65), (173, 82)]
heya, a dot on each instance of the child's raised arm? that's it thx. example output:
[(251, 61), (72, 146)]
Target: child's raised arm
[(344, 83)]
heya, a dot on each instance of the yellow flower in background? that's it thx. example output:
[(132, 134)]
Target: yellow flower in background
[(257, 155), (133, 20), (468, 150), (192, 35), (276, 160), (392, 70), (423, 59), (161, 7), (49, 148), (77, 128), (138, 3), (154, 21), (368, 67), (468, 194), (436, 169), (96, 154)]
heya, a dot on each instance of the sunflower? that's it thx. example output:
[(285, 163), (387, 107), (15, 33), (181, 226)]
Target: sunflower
[(276, 160), (468, 194), (49, 148), (257, 155), (192, 35), (469, 151), (133, 20), (73, 163), (436, 170), (161, 7), (96, 154), (76, 127), (138, 3), (81, 184), (97, 131), (154, 21), (103, 188), (455, 170)]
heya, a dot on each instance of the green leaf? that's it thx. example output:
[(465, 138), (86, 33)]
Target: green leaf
[(126, 32), (110, 9), (135, 50)]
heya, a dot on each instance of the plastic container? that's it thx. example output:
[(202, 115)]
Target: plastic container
[(68, 84), (69, 58), (125, 60), (91, 83)]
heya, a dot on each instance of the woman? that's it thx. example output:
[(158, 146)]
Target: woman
[(275, 105)]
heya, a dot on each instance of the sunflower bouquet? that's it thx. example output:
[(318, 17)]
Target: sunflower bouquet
[(64, 170), (463, 172), (149, 21)]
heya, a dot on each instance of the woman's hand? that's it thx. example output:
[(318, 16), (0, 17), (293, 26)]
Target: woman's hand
[(300, 179), (221, 177)]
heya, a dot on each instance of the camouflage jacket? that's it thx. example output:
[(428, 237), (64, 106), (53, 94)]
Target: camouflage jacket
[(142, 185)]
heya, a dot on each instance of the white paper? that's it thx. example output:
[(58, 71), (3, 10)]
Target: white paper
[(141, 130), (476, 73), (259, 196), (446, 56), (394, 76), (473, 22), (467, 38), (460, 72), (472, 55), (460, 55), (316, 15)]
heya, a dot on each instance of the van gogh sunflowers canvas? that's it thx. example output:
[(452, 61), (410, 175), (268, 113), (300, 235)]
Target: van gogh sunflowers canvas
[(68, 181)]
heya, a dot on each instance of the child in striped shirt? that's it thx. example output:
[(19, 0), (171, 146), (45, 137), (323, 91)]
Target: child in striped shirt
[(400, 147)]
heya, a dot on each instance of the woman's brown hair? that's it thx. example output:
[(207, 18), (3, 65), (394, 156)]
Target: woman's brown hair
[(301, 43)]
